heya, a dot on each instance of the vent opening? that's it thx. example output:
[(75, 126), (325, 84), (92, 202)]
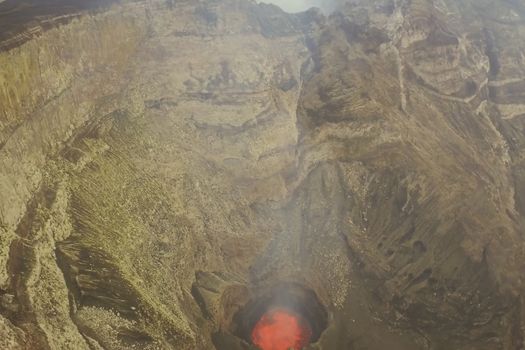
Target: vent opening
[(286, 317)]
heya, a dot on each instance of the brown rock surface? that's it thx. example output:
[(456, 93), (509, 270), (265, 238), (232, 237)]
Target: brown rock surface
[(162, 163)]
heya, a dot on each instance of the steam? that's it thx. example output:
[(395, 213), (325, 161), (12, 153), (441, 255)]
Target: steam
[(294, 6)]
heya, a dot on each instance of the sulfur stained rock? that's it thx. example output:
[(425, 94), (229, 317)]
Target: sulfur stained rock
[(162, 162), (12, 338)]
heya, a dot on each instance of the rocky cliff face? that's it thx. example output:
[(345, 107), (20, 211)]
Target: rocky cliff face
[(164, 165)]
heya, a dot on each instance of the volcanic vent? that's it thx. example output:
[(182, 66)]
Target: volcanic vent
[(281, 328), (288, 316), (192, 175)]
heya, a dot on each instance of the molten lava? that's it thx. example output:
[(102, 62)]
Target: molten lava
[(280, 329)]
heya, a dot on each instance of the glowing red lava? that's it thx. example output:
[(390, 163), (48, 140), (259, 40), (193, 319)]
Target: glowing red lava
[(280, 329)]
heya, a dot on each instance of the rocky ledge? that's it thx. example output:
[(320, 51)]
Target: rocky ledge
[(167, 165)]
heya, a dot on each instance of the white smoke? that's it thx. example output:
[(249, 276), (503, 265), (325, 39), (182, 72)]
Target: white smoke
[(294, 6)]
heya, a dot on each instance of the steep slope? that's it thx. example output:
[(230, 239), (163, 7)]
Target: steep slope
[(170, 167)]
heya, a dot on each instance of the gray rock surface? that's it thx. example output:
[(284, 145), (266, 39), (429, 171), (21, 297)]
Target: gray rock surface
[(162, 162)]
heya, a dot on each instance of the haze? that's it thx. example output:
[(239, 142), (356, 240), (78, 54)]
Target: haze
[(302, 5)]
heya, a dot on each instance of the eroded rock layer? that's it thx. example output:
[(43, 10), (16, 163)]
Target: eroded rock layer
[(163, 164)]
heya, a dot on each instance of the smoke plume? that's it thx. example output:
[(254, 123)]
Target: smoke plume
[(302, 5)]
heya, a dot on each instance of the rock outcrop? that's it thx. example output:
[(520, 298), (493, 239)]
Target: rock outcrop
[(163, 164)]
